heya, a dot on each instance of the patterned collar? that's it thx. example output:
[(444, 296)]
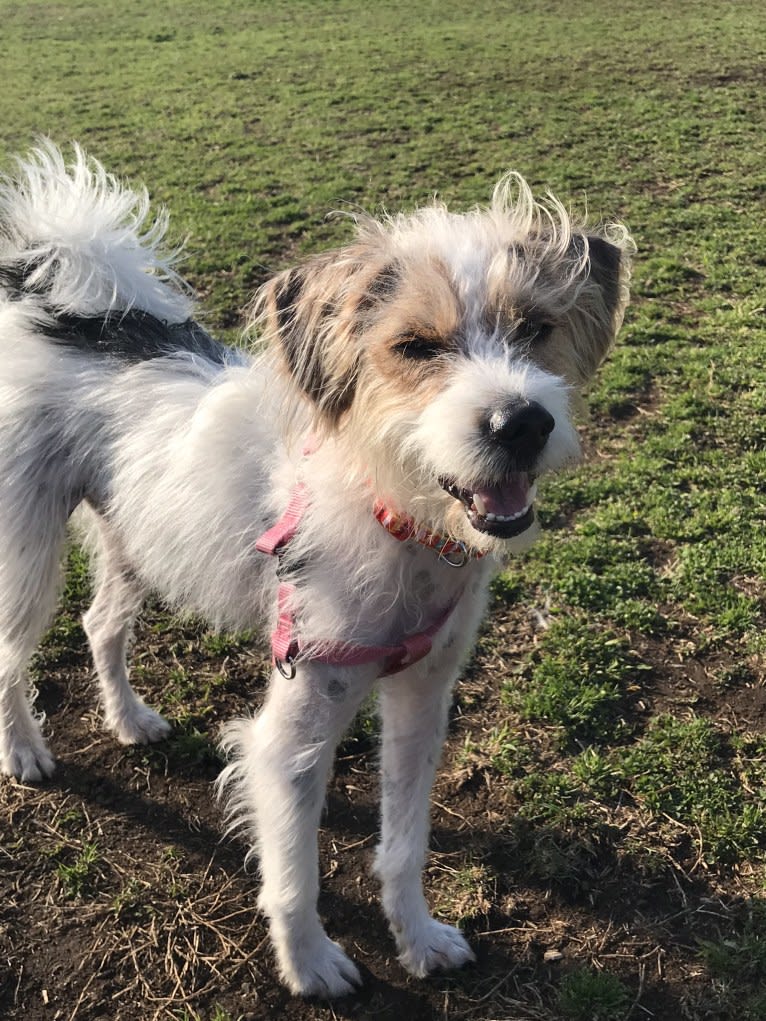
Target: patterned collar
[(403, 528)]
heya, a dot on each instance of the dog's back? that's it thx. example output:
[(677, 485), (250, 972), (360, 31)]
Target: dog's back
[(105, 382)]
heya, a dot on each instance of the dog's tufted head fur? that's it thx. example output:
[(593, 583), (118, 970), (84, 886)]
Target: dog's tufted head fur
[(414, 341)]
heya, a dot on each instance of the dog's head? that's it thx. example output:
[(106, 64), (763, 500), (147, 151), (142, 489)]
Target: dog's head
[(445, 351)]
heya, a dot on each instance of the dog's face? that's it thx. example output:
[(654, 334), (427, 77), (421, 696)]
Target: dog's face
[(446, 350)]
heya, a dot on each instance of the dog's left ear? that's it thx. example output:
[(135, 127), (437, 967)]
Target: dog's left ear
[(600, 306)]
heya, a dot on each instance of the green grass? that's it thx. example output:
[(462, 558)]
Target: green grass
[(579, 681), (738, 963), (78, 873), (687, 787), (592, 996)]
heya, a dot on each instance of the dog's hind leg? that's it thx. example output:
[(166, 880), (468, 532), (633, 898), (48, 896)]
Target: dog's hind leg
[(108, 623), (30, 571), (414, 707)]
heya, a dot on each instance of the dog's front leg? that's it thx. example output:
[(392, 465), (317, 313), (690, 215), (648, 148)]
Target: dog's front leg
[(414, 707), (277, 781)]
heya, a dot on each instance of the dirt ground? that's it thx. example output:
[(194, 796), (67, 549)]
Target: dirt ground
[(120, 898)]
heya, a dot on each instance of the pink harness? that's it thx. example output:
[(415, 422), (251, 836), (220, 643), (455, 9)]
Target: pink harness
[(286, 647)]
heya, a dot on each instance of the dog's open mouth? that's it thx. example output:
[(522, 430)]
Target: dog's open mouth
[(502, 510)]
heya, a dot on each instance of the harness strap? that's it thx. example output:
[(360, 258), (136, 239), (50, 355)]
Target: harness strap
[(286, 647), (273, 541)]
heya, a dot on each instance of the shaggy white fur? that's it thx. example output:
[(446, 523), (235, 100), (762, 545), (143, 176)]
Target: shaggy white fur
[(435, 360)]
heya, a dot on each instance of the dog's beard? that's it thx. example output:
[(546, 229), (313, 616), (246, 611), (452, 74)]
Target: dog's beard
[(441, 465)]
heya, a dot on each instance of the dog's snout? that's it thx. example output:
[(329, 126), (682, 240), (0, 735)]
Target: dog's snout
[(522, 429)]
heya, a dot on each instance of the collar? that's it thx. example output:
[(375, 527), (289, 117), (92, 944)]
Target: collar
[(403, 528)]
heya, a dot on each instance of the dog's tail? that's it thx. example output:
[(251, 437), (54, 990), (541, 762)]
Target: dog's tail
[(81, 242)]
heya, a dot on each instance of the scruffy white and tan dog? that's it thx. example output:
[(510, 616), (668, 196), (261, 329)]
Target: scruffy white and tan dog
[(384, 447)]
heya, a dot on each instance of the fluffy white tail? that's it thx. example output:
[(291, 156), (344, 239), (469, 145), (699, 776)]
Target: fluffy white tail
[(84, 242)]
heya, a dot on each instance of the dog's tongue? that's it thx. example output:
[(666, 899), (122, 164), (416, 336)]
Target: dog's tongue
[(509, 498)]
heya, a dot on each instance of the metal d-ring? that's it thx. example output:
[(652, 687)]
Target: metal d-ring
[(288, 663), (462, 558)]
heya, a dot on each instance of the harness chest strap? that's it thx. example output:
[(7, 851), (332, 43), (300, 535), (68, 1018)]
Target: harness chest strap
[(286, 646), (273, 541)]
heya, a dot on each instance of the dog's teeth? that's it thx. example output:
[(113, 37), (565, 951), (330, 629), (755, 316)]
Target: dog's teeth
[(502, 519), (476, 503)]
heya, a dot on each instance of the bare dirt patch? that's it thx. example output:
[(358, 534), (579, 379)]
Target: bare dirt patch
[(119, 896)]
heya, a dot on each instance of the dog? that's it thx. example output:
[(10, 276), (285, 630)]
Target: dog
[(355, 477)]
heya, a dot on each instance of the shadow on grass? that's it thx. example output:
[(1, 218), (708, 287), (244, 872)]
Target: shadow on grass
[(539, 872)]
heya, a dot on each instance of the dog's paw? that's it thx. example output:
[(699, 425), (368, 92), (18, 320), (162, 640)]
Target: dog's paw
[(29, 762), (141, 725), (437, 947), (321, 969)]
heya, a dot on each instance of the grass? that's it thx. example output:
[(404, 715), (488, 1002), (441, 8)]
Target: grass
[(607, 767), (687, 786), (76, 876), (464, 891), (738, 963), (588, 995), (579, 680)]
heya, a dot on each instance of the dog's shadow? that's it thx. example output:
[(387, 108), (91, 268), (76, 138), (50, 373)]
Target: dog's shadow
[(388, 993)]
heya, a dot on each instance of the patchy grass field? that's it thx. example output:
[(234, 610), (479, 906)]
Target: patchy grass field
[(600, 819)]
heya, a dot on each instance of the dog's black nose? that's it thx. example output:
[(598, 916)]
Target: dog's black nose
[(521, 429)]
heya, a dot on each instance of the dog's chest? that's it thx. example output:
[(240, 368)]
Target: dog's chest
[(433, 590), (424, 587)]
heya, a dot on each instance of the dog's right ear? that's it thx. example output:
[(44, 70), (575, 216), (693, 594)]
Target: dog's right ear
[(298, 310), (314, 316)]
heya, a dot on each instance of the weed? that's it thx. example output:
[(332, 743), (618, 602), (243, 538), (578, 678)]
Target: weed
[(587, 995), (738, 963), (462, 893), (71, 820), (598, 774), (223, 643), (77, 876), (129, 904), (218, 1014), (365, 728)]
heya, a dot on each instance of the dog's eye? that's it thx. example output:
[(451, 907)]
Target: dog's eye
[(417, 348), (532, 331)]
